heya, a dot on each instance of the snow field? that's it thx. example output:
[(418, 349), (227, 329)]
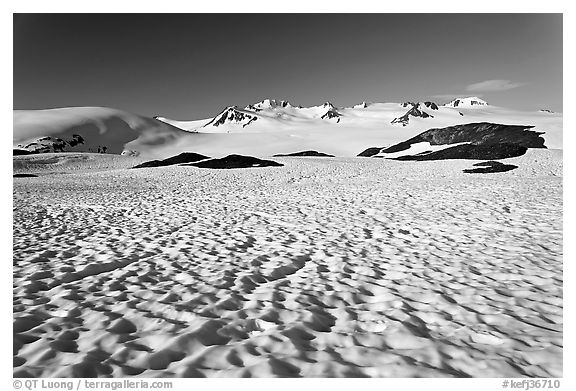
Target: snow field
[(323, 267)]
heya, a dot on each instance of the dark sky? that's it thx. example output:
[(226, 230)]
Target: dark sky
[(189, 66)]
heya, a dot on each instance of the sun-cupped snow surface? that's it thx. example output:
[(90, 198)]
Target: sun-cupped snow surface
[(322, 267)]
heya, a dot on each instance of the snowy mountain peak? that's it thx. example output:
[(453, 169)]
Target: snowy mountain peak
[(332, 113), (471, 101), (430, 105), (268, 104), (414, 111), (232, 115), (328, 105), (427, 104), (362, 105)]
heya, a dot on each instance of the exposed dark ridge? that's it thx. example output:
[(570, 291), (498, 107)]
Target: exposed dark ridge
[(490, 167), (488, 163), (369, 152), (151, 163), (231, 114), (475, 133), (76, 139), (331, 114), (47, 144), (472, 151), (414, 112), (305, 153), (185, 157), (249, 122), (431, 105), (456, 102), (235, 161), (25, 175), (18, 152)]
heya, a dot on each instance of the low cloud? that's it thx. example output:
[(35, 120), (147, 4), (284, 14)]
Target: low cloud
[(493, 85)]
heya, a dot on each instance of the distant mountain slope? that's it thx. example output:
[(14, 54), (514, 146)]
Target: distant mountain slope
[(276, 127), (90, 129), (267, 104), (468, 102), (414, 111), (233, 115)]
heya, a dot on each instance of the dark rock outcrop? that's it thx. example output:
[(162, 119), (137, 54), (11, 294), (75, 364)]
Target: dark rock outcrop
[(332, 113), (470, 102), (232, 115), (185, 157), (49, 144), (305, 153), (490, 167), (431, 105), (252, 108), (485, 141), (25, 175), (76, 139), (471, 151), (414, 112), (235, 161), (20, 151), (475, 133), (268, 104), (369, 152)]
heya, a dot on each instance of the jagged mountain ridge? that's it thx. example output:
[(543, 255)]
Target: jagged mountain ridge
[(415, 111), (267, 110), (233, 115), (278, 127), (283, 110)]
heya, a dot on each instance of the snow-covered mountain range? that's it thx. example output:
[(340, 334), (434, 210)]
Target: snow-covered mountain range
[(263, 128)]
